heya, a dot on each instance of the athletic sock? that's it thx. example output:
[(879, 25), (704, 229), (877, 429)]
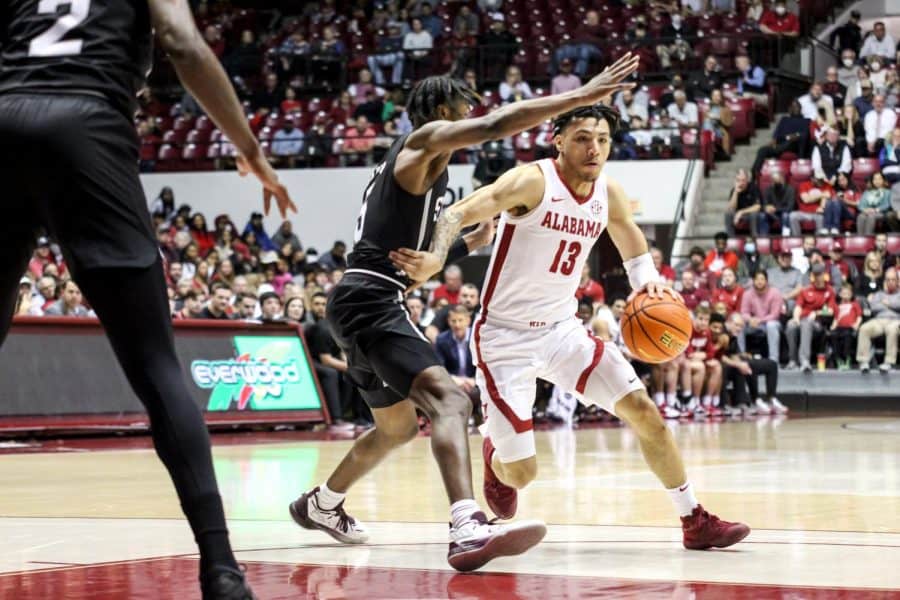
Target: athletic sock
[(659, 398), (683, 499), (671, 400), (707, 401), (461, 512), (328, 499)]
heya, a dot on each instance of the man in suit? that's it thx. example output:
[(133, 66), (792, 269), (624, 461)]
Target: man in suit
[(453, 350)]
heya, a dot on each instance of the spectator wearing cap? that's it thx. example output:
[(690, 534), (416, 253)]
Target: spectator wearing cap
[(874, 204), (744, 204), (878, 123), (761, 307), (779, 21), (813, 196), (720, 257), (879, 43), (751, 81), (27, 302), (584, 45), (863, 101), (565, 80), (842, 270), (388, 53), (69, 303), (848, 36), (816, 300), (786, 278), (885, 322), (43, 256)]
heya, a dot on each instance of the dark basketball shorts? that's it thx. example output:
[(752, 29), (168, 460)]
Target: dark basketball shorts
[(69, 164), (385, 351)]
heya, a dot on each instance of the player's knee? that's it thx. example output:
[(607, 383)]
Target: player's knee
[(520, 473), (639, 411), (438, 396)]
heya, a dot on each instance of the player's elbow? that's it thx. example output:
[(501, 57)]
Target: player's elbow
[(180, 41)]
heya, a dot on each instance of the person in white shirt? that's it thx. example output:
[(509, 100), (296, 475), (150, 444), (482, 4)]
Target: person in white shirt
[(683, 112), (632, 111), (417, 43), (880, 43), (879, 123), (513, 89), (811, 103)]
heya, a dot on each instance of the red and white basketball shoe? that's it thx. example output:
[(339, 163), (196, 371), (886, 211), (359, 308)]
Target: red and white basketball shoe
[(703, 531), (501, 498)]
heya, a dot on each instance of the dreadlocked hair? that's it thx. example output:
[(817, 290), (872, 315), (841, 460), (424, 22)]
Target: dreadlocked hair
[(598, 111), (433, 91)]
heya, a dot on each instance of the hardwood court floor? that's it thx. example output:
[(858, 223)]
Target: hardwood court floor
[(822, 496)]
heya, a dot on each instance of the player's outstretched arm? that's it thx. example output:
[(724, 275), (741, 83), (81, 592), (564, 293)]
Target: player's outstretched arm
[(632, 245), (521, 188), (200, 72), (446, 136)]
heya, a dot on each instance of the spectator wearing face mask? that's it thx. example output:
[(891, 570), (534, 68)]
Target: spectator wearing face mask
[(779, 21), (848, 73), (879, 43), (751, 261), (877, 74)]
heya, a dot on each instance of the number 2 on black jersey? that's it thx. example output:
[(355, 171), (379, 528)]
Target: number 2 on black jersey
[(361, 219), (50, 43)]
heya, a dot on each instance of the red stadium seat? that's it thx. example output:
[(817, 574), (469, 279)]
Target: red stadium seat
[(764, 245), (214, 151), (183, 124), (195, 136), (194, 152), (736, 244), (893, 244), (174, 137), (204, 123), (215, 135), (801, 170), (824, 244), (167, 152), (266, 133), (858, 245), (863, 168)]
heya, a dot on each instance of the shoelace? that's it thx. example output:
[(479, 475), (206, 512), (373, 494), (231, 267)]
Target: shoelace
[(345, 521)]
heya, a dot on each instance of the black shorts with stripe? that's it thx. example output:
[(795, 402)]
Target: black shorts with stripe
[(384, 350)]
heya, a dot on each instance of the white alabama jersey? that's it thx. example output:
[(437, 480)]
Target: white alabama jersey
[(538, 258)]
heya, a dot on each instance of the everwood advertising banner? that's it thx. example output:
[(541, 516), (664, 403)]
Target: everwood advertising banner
[(328, 200), (234, 371)]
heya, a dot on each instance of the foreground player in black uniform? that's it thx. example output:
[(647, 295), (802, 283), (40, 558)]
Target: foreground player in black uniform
[(69, 74), (390, 361)]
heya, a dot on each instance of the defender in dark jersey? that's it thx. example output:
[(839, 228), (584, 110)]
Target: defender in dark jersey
[(394, 366), (69, 74)]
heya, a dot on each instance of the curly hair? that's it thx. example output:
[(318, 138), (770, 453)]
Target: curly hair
[(434, 91)]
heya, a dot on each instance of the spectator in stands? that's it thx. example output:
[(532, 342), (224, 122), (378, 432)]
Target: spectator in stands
[(632, 111), (761, 307), (874, 204), (779, 200), (841, 269), (696, 263), (718, 119), (845, 326), (565, 81), (871, 278), (449, 290), (682, 111), (877, 75), (720, 257), (735, 370), (852, 130), (467, 19), (779, 21), (813, 196), (498, 46), (372, 109), (668, 95), (46, 292), (889, 158), (388, 53), (676, 44), (755, 10), (452, 347), (848, 35), (417, 45), (69, 303), (833, 88), (295, 310), (787, 279), (334, 258), (293, 53), (270, 95), (290, 104), (584, 45), (191, 307), (270, 308), (287, 145), (513, 88), (703, 82), (164, 203), (329, 362), (219, 302), (751, 81), (879, 43), (358, 143), (814, 100), (328, 56), (750, 262), (666, 272), (766, 367), (213, 37), (469, 297), (261, 238), (430, 22), (43, 256), (848, 72), (864, 102), (201, 235), (359, 90), (878, 122), (885, 321), (791, 135), (589, 290), (285, 235), (245, 60), (690, 292), (415, 306), (832, 156), (744, 205), (818, 299), (728, 291)]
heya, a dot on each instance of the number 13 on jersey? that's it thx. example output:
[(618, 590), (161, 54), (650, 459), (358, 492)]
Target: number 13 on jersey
[(566, 257)]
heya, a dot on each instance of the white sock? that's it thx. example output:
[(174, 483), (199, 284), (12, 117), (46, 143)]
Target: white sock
[(683, 499), (695, 401), (659, 398), (670, 399), (707, 400), (461, 512), (327, 498)]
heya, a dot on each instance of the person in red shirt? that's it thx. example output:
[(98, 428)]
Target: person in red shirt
[(815, 300), (43, 256), (697, 368), (665, 271), (778, 21), (449, 290), (812, 197), (720, 257), (847, 320), (590, 290), (690, 293), (728, 292), (201, 234)]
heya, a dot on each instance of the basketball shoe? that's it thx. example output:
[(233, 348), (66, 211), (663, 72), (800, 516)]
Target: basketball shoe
[(307, 513), (479, 541), (224, 583), (703, 530), (501, 498)]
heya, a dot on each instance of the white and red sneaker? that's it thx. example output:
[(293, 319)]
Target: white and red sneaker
[(479, 541)]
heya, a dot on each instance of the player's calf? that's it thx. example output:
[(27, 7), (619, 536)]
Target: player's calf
[(516, 474)]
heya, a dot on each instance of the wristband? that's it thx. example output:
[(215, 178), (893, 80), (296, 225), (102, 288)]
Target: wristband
[(458, 251), (641, 271)]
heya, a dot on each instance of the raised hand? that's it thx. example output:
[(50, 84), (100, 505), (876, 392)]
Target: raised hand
[(611, 79), (263, 171)]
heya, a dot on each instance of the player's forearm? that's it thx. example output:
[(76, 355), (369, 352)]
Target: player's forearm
[(519, 116), (445, 233)]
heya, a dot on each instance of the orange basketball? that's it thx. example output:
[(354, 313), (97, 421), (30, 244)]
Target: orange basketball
[(656, 330)]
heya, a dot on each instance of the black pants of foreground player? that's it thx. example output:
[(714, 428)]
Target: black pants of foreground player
[(134, 309)]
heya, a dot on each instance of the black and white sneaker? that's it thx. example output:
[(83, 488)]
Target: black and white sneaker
[(307, 513), (479, 541)]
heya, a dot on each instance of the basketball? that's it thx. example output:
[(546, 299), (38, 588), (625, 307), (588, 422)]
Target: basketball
[(656, 330)]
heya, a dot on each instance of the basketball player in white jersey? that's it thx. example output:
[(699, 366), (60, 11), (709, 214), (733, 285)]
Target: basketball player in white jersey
[(552, 213)]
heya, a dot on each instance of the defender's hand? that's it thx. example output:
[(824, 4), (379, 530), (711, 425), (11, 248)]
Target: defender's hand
[(418, 266), (609, 81), (260, 167)]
